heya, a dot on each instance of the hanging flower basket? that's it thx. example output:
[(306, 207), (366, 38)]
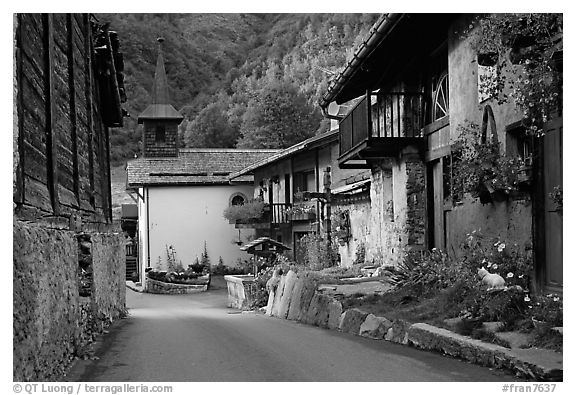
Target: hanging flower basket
[(525, 175)]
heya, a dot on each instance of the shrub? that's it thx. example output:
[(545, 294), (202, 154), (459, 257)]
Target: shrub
[(427, 272), (317, 252)]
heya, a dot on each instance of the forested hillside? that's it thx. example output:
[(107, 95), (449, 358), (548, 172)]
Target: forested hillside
[(246, 80)]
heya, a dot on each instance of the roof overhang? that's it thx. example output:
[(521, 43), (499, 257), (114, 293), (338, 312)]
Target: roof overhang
[(351, 189), (393, 41), (313, 142), (160, 112)]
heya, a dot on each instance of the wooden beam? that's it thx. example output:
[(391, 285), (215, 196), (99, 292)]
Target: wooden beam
[(437, 153), (89, 104), (72, 102), (436, 125), (51, 110), (19, 186)]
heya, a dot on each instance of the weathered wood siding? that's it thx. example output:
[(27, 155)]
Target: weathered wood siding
[(63, 144)]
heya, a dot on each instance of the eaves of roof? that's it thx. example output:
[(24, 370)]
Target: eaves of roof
[(313, 142), (377, 33)]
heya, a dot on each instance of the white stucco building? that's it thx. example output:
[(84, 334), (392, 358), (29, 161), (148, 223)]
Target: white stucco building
[(182, 193)]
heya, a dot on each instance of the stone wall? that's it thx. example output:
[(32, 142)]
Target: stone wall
[(109, 268), (359, 214), (398, 210), (298, 297), (50, 319)]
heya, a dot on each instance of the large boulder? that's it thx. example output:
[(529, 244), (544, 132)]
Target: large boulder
[(375, 327), (334, 314), (294, 308), (286, 297), (352, 320)]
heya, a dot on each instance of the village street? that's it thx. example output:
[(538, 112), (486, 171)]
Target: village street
[(196, 338)]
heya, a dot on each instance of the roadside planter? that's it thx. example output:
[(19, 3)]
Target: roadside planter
[(161, 282), (239, 291)]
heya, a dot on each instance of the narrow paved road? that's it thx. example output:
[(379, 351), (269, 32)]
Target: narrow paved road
[(196, 338)]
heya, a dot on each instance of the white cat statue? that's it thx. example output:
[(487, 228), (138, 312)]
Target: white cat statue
[(492, 280)]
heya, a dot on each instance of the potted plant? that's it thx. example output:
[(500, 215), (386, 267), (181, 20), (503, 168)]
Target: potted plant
[(301, 212)]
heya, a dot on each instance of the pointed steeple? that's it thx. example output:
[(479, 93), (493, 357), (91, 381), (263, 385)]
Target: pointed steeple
[(160, 93), (160, 108)]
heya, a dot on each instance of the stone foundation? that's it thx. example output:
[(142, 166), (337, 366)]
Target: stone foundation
[(51, 322)]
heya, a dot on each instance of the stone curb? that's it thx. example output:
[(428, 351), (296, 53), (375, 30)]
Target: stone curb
[(540, 365), (429, 337), (133, 287)]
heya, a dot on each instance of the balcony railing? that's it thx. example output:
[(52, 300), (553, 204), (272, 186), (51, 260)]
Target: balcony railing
[(389, 118), (278, 211)]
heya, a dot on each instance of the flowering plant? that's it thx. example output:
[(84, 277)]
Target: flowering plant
[(556, 196), (546, 308), (534, 43), (300, 209), (499, 257), (479, 168), (251, 210)]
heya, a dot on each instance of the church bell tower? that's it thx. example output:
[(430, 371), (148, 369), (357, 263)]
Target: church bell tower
[(160, 118)]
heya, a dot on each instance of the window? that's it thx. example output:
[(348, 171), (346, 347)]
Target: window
[(304, 181), (518, 144), (160, 134), (237, 199), (441, 99)]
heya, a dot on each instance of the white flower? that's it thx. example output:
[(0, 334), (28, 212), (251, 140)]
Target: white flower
[(510, 275), (556, 299), (501, 247), (494, 266), (521, 276), (526, 298)]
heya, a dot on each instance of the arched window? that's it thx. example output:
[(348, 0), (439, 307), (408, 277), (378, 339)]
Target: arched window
[(441, 99), (238, 199)]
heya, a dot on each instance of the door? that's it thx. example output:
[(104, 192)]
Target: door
[(552, 178), (439, 202)]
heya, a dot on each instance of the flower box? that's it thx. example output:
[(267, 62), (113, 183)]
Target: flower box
[(301, 216)]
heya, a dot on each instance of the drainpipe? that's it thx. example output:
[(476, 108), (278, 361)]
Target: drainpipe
[(148, 227)]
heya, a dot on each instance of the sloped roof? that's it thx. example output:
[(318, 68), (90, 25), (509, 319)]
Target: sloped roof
[(194, 166), (276, 245), (315, 141), (160, 108)]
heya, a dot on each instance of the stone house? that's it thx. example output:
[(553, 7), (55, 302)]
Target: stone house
[(281, 181), (416, 79), (182, 192), (68, 256)]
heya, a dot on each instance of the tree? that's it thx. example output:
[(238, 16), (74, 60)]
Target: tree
[(211, 129), (204, 258), (277, 117)]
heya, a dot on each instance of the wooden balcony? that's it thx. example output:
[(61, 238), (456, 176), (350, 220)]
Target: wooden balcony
[(380, 126)]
